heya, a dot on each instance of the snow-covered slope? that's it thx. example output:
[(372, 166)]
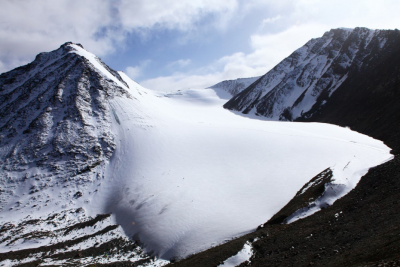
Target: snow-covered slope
[(55, 129), (195, 174), (177, 171), (233, 87), (308, 77)]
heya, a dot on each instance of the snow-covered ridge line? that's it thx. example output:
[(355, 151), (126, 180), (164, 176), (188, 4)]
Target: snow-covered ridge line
[(79, 50), (302, 83), (233, 87)]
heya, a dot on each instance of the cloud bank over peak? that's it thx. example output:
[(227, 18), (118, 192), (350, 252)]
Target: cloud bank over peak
[(31, 27)]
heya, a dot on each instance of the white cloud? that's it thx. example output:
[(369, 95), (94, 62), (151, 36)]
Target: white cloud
[(30, 27), (172, 14), (2, 67), (268, 50), (179, 63), (343, 13), (102, 26), (133, 72), (226, 68), (137, 71), (270, 20), (299, 21)]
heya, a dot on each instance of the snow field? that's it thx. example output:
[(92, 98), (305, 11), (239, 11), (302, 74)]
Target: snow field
[(187, 174)]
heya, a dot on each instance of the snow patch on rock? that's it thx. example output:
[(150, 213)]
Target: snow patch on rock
[(242, 256)]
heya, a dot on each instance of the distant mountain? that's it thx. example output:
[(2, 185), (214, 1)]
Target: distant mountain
[(234, 86), (304, 82)]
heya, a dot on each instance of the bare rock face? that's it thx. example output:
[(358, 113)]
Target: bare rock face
[(306, 79), (55, 122)]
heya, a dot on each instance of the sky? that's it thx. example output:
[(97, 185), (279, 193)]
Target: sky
[(171, 45)]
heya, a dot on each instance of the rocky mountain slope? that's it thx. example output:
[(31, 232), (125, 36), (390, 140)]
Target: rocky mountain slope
[(234, 86), (69, 238), (304, 82), (56, 140), (54, 128)]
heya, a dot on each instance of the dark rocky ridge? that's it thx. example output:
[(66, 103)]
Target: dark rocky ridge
[(308, 193), (363, 227), (303, 82), (368, 101)]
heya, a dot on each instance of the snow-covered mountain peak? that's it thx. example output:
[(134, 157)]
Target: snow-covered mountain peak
[(55, 126), (97, 63), (303, 82)]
